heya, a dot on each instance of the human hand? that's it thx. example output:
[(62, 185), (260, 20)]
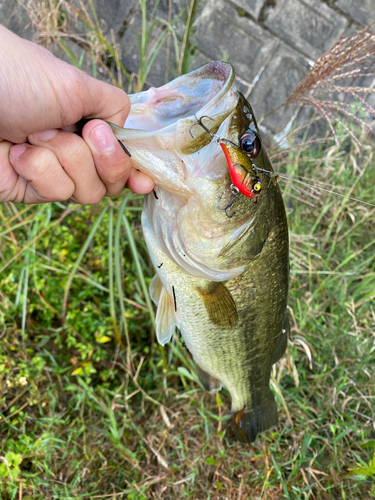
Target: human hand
[(39, 96)]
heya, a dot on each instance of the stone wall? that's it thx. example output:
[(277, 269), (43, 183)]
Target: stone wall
[(271, 43)]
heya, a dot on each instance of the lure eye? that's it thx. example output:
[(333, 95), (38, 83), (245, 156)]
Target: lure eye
[(250, 143), (257, 187)]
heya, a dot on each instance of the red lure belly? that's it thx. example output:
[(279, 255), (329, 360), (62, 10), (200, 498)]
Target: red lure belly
[(242, 178)]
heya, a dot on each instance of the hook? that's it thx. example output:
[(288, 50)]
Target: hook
[(235, 192), (199, 122), (262, 171)]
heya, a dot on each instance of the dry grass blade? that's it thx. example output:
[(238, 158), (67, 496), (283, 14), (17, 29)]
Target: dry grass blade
[(350, 58), (48, 16)]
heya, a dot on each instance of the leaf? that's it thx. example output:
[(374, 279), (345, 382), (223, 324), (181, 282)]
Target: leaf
[(17, 459), (103, 339), (3, 470), (77, 370), (369, 444), (218, 400), (183, 371), (210, 461), (363, 472), (13, 459), (14, 473)]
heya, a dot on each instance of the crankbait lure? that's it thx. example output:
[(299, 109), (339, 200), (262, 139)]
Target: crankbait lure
[(243, 173)]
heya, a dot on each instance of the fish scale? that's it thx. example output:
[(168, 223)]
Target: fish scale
[(222, 280)]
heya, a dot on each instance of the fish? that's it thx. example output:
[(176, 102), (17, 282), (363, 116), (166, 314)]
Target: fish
[(221, 278)]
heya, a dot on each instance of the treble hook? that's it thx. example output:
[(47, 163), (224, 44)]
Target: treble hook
[(236, 192), (199, 122), (218, 140)]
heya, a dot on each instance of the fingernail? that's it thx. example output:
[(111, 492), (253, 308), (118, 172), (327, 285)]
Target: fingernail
[(46, 135), (102, 139), (16, 151)]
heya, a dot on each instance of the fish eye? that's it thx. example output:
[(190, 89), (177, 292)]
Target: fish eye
[(257, 187), (250, 143)]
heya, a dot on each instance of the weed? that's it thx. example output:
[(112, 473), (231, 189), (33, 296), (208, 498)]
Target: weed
[(91, 409), (334, 75)]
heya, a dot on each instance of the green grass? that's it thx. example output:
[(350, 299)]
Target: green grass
[(92, 408), (86, 417)]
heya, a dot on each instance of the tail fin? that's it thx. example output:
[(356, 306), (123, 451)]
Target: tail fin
[(249, 422)]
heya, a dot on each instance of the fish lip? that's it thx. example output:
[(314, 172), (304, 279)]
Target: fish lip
[(221, 68)]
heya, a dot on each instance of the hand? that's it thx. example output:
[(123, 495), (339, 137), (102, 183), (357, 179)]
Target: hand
[(39, 96)]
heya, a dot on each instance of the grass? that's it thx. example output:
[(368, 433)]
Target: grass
[(92, 408)]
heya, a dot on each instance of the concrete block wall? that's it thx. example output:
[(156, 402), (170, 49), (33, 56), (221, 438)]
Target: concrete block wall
[(271, 43)]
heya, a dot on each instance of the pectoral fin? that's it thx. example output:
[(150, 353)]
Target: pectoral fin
[(165, 318), (219, 304), (155, 289)]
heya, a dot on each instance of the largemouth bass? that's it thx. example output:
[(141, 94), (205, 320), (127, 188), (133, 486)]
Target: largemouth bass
[(222, 278)]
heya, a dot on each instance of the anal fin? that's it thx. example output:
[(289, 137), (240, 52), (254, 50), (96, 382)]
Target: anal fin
[(219, 304), (155, 289), (209, 382), (165, 318)]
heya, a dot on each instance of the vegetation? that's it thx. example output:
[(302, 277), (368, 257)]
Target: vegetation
[(92, 408)]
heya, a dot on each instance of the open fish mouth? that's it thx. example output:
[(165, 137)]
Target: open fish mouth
[(160, 120), (201, 91)]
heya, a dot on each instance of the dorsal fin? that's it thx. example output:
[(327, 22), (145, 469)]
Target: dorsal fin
[(165, 318), (219, 304)]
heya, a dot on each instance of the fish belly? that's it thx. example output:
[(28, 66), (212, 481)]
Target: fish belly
[(239, 357)]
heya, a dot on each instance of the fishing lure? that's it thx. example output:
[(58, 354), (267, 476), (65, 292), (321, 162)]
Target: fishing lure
[(243, 173)]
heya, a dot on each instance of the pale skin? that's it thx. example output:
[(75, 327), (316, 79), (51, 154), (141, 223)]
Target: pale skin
[(39, 161)]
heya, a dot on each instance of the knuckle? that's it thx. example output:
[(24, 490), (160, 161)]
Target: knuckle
[(40, 159), (72, 150), (62, 193), (76, 149), (125, 101), (114, 177), (117, 170), (94, 197)]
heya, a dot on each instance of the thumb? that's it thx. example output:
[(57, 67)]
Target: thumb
[(102, 100), (39, 91)]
